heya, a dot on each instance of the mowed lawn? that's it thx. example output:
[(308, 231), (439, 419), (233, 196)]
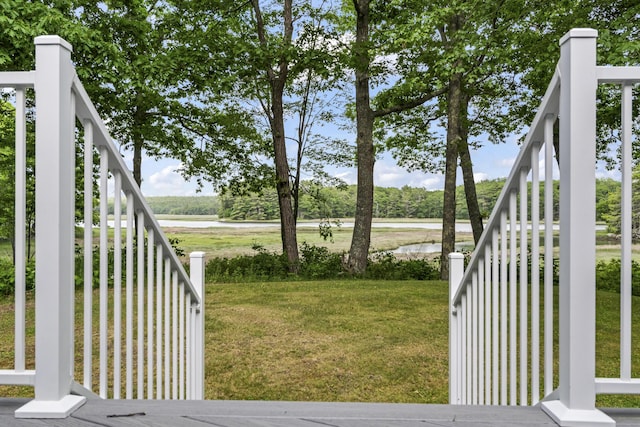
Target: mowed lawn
[(368, 341), (343, 340)]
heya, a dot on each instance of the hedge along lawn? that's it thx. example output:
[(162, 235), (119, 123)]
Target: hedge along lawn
[(365, 341)]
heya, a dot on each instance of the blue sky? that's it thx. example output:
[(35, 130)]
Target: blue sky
[(160, 178)]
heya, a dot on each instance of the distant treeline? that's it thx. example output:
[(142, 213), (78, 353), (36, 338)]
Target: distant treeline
[(185, 205), (330, 202)]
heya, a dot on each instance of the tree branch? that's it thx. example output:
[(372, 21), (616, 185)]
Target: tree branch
[(262, 36), (409, 104), (283, 66)]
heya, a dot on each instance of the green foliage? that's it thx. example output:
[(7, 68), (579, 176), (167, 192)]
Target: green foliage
[(8, 279), (175, 244), (264, 265), (608, 276), (385, 266), (316, 263), (8, 170), (324, 202), (184, 205), (609, 204)]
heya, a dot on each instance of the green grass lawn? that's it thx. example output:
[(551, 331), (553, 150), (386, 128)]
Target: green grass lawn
[(373, 341), (350, 340)]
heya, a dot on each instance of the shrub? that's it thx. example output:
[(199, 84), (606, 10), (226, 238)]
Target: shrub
[(316, 262), (264, 265), (418, 269), (608, 276), (385, 265), (8, 279)]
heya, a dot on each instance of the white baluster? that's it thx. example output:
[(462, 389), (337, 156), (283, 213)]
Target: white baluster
[(88, 255), (20, 229)]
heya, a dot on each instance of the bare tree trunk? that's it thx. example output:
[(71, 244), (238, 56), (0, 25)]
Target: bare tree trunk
[(475, 216), (454, 96), (361, 240), (138, 142), (277, 80), (283, 186)]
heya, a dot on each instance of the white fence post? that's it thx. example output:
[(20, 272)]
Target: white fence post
[(197, 265), (55, 192), (456, 271), (576, 405)]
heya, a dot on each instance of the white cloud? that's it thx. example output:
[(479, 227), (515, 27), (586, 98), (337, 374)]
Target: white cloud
[(388, 179), (506, 162), (434, 182), (167, 181), (480, 176), (389, 175), (348, 176), (602, 173)]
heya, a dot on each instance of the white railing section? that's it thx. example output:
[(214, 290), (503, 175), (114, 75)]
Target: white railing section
[(146, 341), (18, 374), (494, 307), (501, 336)]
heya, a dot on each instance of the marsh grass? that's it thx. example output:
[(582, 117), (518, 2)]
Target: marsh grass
[(227, 242)]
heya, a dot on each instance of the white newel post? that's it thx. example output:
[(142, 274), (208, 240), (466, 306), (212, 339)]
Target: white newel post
[(197, 265), (576, 404), (55, 190), (456, 271)]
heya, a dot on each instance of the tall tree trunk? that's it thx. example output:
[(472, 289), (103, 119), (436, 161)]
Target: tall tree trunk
[(475, 217), (454, 99), (283, 185), (361, 240), (277, 81), (138, 145), (137, 139)]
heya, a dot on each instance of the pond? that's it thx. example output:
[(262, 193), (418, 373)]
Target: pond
[(175, 223), (430, 248)]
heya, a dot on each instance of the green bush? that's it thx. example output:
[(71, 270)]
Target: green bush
[(8, 279), (418, 269), (316, 262), (384, 265), (608, 276), (264, 265)]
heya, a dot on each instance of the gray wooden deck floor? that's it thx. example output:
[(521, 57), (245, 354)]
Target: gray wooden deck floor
[(289, 414)]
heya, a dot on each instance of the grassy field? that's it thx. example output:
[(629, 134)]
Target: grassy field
[(353, 340), (328, 341), (348, 340), (229, 242)]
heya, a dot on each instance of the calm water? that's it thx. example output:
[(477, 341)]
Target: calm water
[(172, 223), (430, 248), (463, 227)]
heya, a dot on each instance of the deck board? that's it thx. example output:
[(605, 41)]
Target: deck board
[(146, 413)]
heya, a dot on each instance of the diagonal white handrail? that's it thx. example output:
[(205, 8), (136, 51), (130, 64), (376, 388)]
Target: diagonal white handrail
[(85, 110), (548, 108), (63, 110), (518, 364)]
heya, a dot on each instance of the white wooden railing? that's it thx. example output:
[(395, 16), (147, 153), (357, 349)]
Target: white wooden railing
[(501, 340), (148, 342)]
